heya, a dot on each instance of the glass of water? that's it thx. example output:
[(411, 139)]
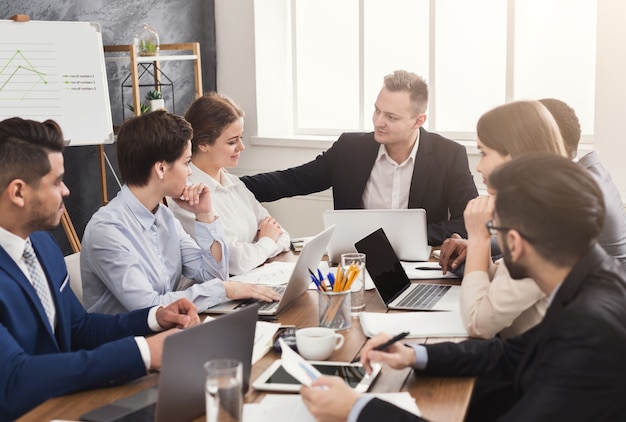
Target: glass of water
[(223, 390), (354, 263)]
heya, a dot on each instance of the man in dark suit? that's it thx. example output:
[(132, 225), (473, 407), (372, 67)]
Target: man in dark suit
[(50, 345), (399, 165), (548, 214)]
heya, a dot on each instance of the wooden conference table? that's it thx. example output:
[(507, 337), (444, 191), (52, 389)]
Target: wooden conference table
[(439, 399)]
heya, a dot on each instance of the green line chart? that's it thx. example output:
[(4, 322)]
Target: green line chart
[(29, 82), (40, 77), (56, 70)]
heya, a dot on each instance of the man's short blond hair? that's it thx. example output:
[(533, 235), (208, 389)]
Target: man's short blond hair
[(415, 85)]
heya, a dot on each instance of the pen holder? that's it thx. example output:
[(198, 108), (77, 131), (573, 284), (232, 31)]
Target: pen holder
[(334, 309)]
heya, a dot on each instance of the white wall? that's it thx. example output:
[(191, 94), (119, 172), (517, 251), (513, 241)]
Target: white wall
[(610, 136), (302, 216), (236, 78)]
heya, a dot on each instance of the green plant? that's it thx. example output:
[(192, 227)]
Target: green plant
[(154, 95), (143, 107), (147, 46)]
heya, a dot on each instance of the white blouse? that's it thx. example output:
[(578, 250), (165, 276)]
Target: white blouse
[(241, 214)]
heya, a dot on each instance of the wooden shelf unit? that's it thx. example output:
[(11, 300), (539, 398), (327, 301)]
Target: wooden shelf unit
[(131, 56)]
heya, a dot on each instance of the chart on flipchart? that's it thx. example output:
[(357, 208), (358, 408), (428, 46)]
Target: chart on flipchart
[(55, 70)]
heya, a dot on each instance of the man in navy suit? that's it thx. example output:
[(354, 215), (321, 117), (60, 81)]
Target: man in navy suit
[(50, 345), (549, 212), (399, 165)]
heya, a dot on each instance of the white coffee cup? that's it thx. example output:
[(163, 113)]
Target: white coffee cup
[(318, 343)]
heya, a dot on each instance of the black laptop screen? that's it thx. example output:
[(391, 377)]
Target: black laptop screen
[(383, 265)]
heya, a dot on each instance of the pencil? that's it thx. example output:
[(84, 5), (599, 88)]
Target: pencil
[(339, 279)]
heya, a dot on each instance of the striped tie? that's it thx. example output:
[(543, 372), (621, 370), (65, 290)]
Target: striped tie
[(38, 279)]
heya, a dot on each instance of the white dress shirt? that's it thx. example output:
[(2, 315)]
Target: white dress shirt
[(241, 214), (389, 183)]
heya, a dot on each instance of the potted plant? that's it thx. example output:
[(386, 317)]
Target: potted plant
[(143, 107), (155, 99), (147, 41)]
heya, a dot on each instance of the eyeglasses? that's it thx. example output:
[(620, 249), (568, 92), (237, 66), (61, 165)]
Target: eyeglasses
[(493, 230)]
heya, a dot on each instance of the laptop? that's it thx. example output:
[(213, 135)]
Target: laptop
[(180, 393), (393, 284), (299, 281), (406, 229)]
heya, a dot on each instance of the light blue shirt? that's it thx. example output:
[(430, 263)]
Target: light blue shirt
[(132, 258)]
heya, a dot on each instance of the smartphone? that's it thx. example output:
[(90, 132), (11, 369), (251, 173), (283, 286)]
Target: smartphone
[(288, 334)]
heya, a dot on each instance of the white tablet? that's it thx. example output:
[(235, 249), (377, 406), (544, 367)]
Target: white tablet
[(275, 378)]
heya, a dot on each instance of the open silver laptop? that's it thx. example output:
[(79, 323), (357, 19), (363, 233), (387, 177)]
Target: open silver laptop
[(299, 281), (406, 229), (180, 394), (393, 284)]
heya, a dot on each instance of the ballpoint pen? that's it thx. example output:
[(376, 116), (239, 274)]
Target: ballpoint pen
[(318, 283), (428, 268), (331, 280), (386, 344)]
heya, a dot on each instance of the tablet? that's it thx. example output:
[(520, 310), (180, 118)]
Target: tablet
[(275, 378)]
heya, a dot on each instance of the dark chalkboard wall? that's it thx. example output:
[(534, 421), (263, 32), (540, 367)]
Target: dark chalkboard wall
[(177, 21)]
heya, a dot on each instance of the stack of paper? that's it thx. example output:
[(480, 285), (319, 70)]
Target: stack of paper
[(425, 271), (418, 324), (274, 273), (263, 339), (297, 243), (291, 408)]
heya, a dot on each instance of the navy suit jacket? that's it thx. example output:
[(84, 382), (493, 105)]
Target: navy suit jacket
[(86, 351), (442, 183), (569, 367)]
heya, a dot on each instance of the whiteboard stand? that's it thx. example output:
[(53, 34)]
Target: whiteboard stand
[(70, 232)]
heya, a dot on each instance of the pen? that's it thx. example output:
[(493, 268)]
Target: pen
[(428, 268), (386, 344), (318, 283), (331, 280), (321, 279)]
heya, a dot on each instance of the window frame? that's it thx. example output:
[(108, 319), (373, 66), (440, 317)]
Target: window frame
[(469, 136)]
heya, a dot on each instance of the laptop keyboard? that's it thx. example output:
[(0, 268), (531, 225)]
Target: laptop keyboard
[(268, 306), (424, 296)]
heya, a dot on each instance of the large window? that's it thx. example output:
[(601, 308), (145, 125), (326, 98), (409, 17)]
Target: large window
[(325, 59)]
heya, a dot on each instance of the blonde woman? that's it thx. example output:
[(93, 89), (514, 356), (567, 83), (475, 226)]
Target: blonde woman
[(492, 301)]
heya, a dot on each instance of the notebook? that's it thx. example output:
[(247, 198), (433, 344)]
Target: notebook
[(393, 284), (180, 394), (417, 324), (299, 281), (406, 229)]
